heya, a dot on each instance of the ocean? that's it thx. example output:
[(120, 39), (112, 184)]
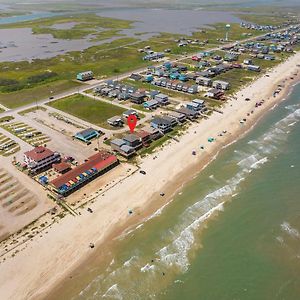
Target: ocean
[(231, 233)]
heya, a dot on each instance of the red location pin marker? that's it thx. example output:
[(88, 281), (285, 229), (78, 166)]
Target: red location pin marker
[(131, 121)]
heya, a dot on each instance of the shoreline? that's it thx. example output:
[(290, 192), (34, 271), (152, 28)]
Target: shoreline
[(63, 242), (155, 207)]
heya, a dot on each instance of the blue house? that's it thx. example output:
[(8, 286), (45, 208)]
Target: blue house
[(182, 77), (86, 135), (167, 65), (174, 75), (148, 78), (84, 76), (151, 104), (162, 124)]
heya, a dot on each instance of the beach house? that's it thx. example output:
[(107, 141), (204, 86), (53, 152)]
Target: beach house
[(162, 99), (130, 112), (84, 76), (154, 132), (179, 117), (253, 68), (162, 124), (115, 121), (196, 105), (151, 104), (215, 93), (137, 97), (133, 141), (205, 81), (144, 136), (222, 85), (120, 146), (189, 113)]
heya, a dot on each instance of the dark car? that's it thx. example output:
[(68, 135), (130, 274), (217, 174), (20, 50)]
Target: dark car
[(142, 172)]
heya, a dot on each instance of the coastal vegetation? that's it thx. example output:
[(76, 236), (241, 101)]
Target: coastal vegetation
[(26, 82), (83, 25)]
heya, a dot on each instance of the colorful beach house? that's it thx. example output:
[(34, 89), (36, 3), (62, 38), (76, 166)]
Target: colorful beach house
[(84, 76)]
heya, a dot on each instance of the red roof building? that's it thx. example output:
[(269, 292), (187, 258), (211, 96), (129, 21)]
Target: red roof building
[(95, 166), (40, 158), (144, 136), (62, 167)]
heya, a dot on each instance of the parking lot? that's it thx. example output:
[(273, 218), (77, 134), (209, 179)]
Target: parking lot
[(8, 146), (26, 133)]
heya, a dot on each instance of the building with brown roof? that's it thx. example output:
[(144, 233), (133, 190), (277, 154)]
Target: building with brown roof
[(95, 166), (40, 158), (62, 167)]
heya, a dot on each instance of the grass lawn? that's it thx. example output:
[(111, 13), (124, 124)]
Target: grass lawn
[(237, 78), (26, 96), (88, 109), (6, 119)]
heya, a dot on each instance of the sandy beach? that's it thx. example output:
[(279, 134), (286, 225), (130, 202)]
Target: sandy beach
[(44, 262)]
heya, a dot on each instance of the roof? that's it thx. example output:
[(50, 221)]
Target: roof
[(193, 104), (114, 119), (176, 114), (127, 149), (100, 161), (39, 153), (160, 121), (60, 167), (129, 112), (198, 101), (167, 118), (150, 130), (214, 91), (161, 96), (118, 142), (142, 134), (87, 132), (187, 111), (85, 73), (221, 82), (131, 138), (151, 102)]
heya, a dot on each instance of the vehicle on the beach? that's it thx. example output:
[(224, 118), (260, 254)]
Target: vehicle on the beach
[(142, 172)]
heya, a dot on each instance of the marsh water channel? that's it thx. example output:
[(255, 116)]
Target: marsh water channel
[(17, 44)]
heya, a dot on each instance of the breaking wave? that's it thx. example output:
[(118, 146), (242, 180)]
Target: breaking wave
[(293, 232)]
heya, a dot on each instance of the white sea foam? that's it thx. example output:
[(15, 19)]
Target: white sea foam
[(292, 124), (176, 253), (129, 262), (147, 268), (259, 162), (293, 232), (113, 293)]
